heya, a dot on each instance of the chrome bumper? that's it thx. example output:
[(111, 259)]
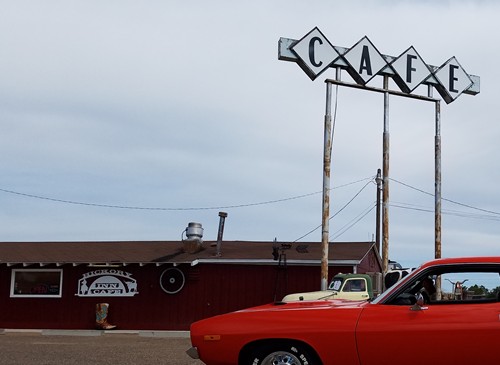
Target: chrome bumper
[(193, 353)]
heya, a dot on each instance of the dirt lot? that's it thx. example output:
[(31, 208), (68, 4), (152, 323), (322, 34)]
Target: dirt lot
[(94, 347)]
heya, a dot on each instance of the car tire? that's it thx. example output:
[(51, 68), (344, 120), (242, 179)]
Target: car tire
[(282, 354)]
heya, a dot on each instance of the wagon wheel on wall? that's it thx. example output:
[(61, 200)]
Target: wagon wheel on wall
[(172, 280)]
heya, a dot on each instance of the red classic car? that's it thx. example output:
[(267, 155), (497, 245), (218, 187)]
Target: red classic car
[(428, 317)]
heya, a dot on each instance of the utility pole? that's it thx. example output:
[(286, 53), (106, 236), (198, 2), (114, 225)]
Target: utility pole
[(378, 180), (385, 186), (327, 155)]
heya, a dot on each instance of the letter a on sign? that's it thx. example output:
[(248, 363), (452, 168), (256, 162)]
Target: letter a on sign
[(364, 61), (315, 53)]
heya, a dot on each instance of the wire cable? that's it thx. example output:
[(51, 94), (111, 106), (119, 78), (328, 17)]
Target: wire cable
[(444, 211), (99, 205), (448, 200), (153, 208), (353, 222), (340, 210)]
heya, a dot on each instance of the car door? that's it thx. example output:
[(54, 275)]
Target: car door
[(448, 333)]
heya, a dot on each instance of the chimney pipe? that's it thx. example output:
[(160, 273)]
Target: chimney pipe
[(222, 216)]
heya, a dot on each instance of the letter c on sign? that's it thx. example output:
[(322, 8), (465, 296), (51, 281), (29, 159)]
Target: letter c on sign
[(311, 51)]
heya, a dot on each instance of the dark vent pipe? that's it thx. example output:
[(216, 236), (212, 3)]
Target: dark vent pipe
[(222, 216)]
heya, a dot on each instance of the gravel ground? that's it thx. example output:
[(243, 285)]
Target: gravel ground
[(94, 347)]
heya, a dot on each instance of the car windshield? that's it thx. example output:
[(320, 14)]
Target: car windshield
[(335, 284)]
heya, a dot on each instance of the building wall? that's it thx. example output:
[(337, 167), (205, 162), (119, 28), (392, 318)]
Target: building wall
[(209, 289), (369, 264)]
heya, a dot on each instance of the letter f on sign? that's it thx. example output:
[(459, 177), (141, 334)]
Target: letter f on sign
[(409, 68)]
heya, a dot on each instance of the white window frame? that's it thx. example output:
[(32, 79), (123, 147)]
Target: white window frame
[(13, 283)]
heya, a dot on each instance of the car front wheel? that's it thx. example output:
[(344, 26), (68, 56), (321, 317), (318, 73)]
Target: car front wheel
[(282, 354)]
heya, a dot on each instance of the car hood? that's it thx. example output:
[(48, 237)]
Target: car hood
[(280, 319), (311, 295), (307, 304)]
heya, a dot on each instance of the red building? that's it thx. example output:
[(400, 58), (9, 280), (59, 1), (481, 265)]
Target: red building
[(158, 285)]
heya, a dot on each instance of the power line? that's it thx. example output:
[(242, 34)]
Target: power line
[(234, 206), (405, 206), (113, 206), (444, 212), (448, 200), (340, 210), (353, 222)]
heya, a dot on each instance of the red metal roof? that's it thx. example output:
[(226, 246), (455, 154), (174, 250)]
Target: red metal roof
[(159, 252)]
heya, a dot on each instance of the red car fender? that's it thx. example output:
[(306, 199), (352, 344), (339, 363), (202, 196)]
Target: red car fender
[(328, 332)]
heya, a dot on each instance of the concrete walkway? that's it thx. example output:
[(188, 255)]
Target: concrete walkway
[(141, 333)]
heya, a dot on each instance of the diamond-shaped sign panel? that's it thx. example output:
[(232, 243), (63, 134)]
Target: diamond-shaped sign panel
[(364, 61), (410, 70), (452, 79), (315, 53)]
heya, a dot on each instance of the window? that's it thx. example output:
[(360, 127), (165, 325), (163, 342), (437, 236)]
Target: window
[(28, 283), (354, 285), (470, 285), (450, 284), (336, 284)]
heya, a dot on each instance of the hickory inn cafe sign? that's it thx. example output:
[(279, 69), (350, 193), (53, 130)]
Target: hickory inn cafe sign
[(107, 283), (315, 54)]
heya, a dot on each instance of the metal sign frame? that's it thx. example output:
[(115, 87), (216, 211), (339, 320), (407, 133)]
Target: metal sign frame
[(315, 54)]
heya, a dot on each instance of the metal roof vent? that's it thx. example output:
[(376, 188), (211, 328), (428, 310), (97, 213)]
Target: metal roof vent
[(194, 235), (194, 231)]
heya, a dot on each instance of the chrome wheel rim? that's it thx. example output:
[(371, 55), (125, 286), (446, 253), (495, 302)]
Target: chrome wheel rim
[(281, 358)]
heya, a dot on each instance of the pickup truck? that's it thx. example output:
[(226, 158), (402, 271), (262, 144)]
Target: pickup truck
[(342, 286)]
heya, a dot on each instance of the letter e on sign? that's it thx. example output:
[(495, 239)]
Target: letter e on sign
[(452, 80), (315, 53)]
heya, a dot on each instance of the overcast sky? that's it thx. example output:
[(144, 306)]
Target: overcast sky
[(182, 109)]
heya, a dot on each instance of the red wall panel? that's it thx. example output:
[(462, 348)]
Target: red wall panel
[(209, 289)]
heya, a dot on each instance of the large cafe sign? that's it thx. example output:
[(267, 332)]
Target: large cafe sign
[(315, 54)]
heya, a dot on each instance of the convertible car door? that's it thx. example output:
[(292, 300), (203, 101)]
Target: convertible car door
[(444, 334)]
